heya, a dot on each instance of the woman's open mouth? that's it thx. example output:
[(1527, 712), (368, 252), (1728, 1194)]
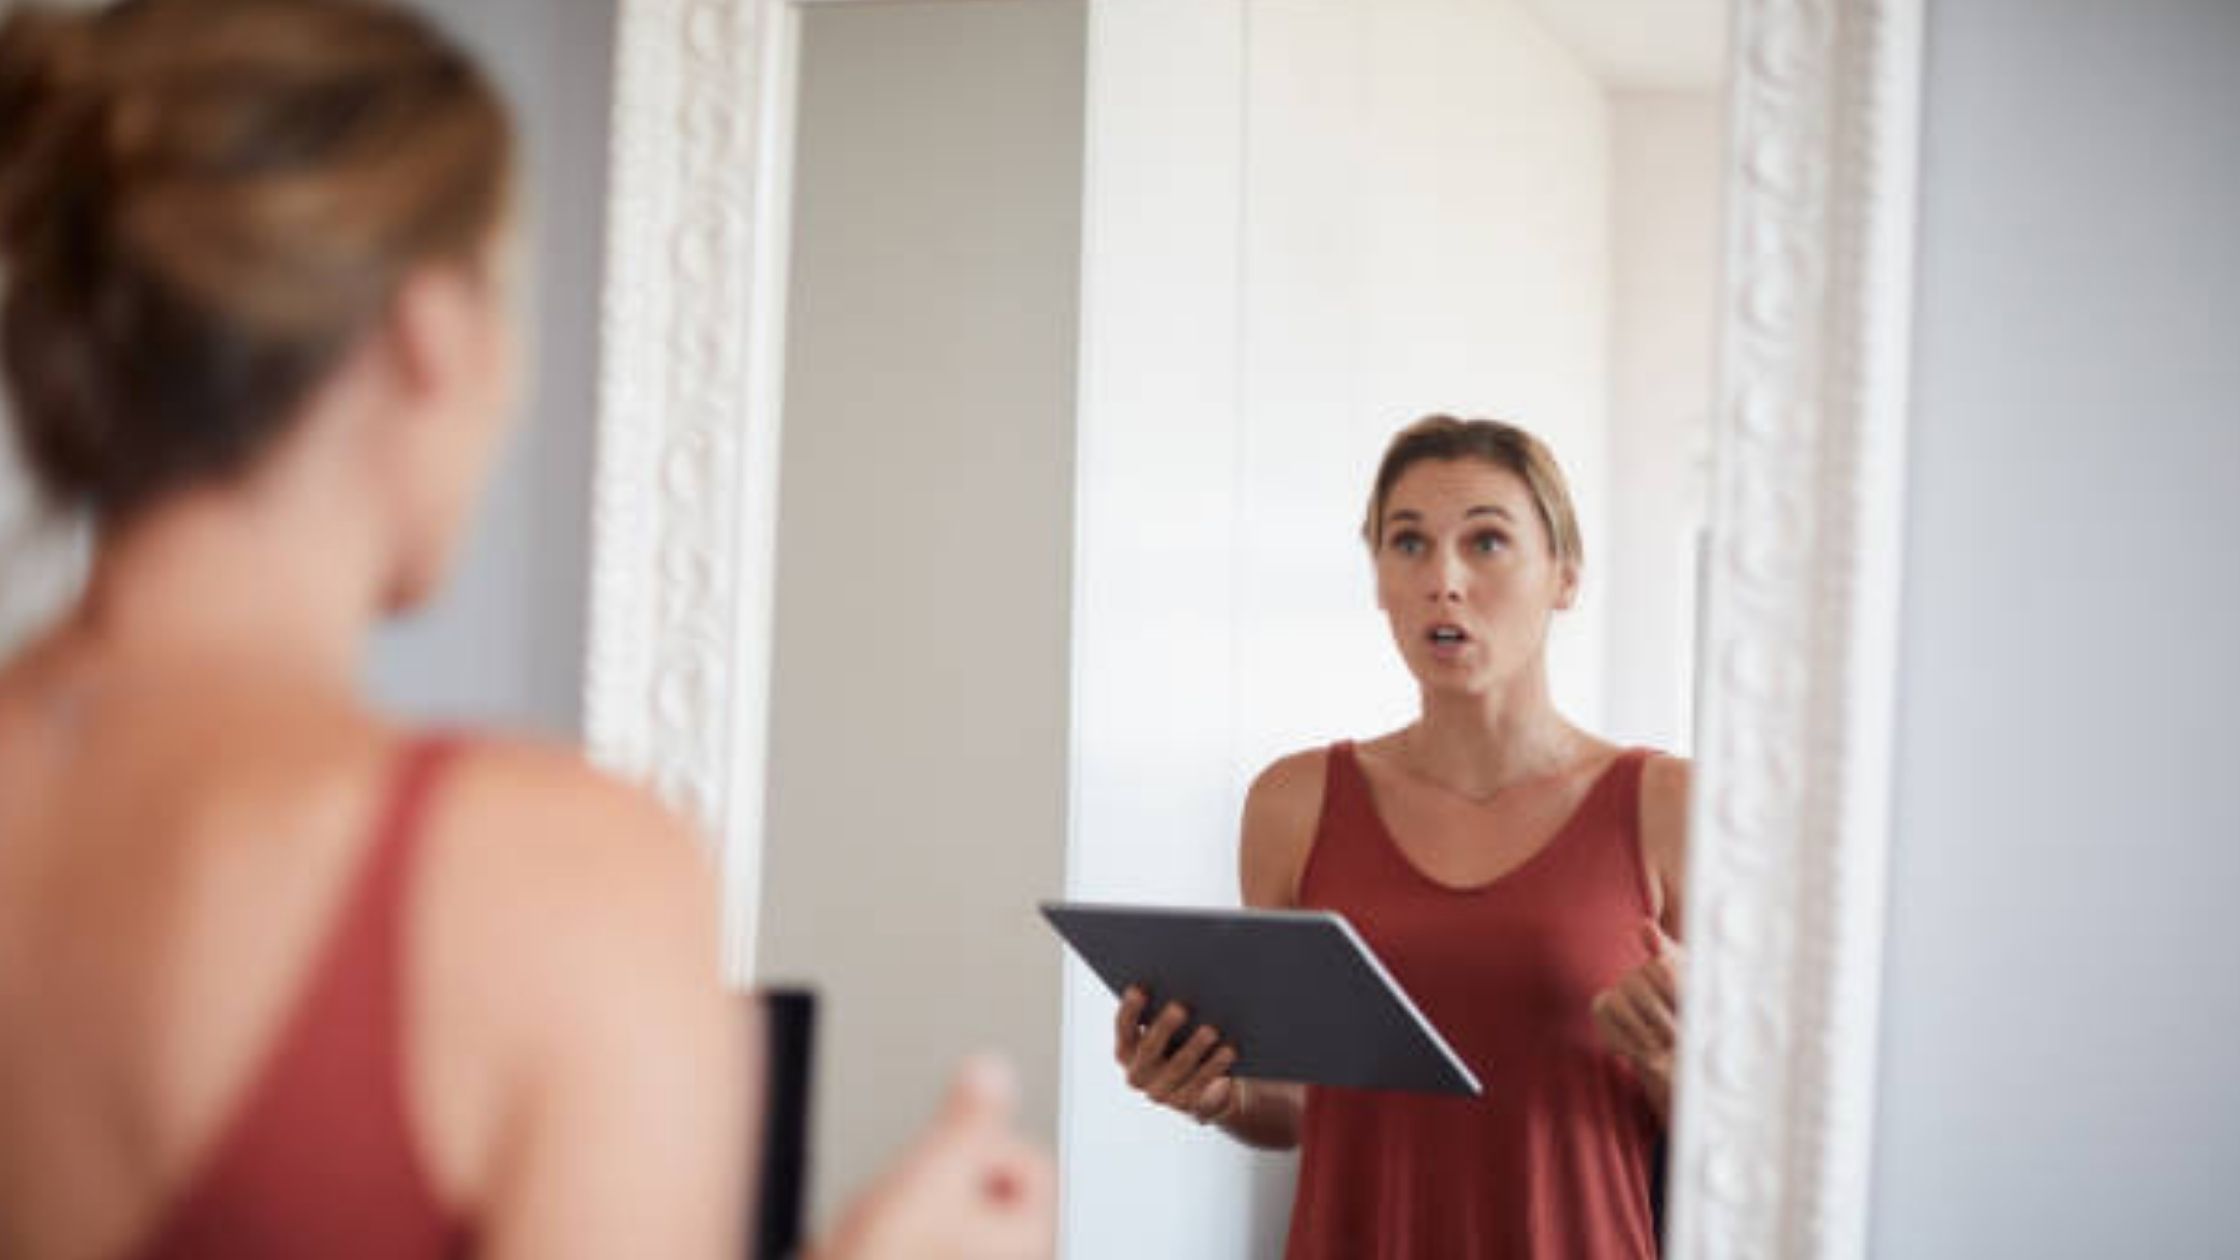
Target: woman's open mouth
[(1447, 641)]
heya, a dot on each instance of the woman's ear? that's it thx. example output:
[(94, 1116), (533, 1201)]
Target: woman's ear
[(1567, 585), (432, 332)]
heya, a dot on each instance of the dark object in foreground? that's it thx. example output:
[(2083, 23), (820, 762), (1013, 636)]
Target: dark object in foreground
[(790, 1027)]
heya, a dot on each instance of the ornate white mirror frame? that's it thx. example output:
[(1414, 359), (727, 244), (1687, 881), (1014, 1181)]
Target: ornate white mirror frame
[(1773, 1137)]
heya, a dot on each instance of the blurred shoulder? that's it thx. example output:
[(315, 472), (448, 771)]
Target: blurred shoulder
[(530, 837), (562, 913), (546, 794)]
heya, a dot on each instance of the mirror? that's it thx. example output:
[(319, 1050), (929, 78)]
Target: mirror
[(918, 731), (1084, 487), (1279, 260), (1122, 306)]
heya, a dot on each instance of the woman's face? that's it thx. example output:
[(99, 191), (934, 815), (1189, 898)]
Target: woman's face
[(1466, 575)]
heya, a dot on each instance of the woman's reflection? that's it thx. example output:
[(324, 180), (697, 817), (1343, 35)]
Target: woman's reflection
[(1519, 876)]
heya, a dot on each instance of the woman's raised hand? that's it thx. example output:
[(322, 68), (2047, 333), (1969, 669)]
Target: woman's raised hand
[(1639, 1017), (1193, 1077), (970, 1189)]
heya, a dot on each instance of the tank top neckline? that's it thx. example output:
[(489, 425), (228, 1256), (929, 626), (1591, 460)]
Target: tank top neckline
[(1605, 780)]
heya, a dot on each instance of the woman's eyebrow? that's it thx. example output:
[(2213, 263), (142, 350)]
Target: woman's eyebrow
[(1489, 509)]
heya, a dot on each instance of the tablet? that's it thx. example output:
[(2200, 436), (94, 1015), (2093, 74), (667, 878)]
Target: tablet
[(1297, 992)]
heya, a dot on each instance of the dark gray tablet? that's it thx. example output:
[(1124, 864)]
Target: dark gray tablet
[(1296, 991)]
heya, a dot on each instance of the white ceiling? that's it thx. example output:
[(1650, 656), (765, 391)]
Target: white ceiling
[(1643, 45)]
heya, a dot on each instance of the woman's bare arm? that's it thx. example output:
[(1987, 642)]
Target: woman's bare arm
[(581, 964)]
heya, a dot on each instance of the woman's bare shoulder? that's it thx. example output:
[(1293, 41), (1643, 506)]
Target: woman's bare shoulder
[(1291, 781), (1665, 784), (513, 807), (530, 843), (565, 912), (1281, 813)]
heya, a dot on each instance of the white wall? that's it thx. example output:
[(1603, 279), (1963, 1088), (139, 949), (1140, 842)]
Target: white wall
[(917, 774), (2062, 1027), (1307, 223), (1666, 159), (1425, 228), (1154, 605)]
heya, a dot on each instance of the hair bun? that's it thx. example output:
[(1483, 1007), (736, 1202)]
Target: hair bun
[(203, 205), (49, 96)]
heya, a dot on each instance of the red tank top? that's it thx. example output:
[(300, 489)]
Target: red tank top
[(1553, 1161), (319, 1158)]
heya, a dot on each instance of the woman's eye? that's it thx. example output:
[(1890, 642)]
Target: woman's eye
[(1487, 543), (1408, 544)]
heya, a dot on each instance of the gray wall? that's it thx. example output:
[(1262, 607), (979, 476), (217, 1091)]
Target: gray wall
[(504, 643), (918, 739), (2061, 1055)]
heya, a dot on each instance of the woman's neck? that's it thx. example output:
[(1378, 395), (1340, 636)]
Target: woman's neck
[(1480, 744), (270, 577)]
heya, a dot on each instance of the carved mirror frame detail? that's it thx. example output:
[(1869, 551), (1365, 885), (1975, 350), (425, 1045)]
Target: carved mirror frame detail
[(1773, 1138)]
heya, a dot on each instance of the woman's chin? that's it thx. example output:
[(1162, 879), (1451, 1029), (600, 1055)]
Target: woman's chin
[(1450, 678)]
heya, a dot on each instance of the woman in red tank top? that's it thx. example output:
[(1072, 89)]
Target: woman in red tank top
[(279, 978), (1519, 877)]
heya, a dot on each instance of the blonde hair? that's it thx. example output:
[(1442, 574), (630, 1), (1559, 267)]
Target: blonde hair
[(203, 205), (1443, 437)]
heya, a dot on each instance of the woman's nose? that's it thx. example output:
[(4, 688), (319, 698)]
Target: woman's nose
[(1446, 579)]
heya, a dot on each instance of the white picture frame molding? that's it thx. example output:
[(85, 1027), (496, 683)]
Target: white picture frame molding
[(1773, 1136), (685, 486)]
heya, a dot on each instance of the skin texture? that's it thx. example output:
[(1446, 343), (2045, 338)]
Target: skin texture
[(1483, 778), (189, 778)]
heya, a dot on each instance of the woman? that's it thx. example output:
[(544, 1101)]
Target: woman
[(276, 976), (1520, 877)]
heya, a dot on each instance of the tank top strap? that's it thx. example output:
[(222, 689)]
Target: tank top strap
[(385, 880), (1342, 825), (1349, 808), (1341, 783), (369, 944), (320, 1153)]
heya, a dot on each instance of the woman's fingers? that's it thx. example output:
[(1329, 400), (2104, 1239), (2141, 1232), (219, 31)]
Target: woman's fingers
[(1666, 957), (1606, 1023), (1663, 978), (1190, 1076), (1167, 1084), (1653, 1015), (1127, 1025), (1621, 1026), (1637, 1022), (1205, 1094), (1151, 1047)]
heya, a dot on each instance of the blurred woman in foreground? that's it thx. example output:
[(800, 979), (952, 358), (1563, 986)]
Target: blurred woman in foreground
[(276, 976)]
